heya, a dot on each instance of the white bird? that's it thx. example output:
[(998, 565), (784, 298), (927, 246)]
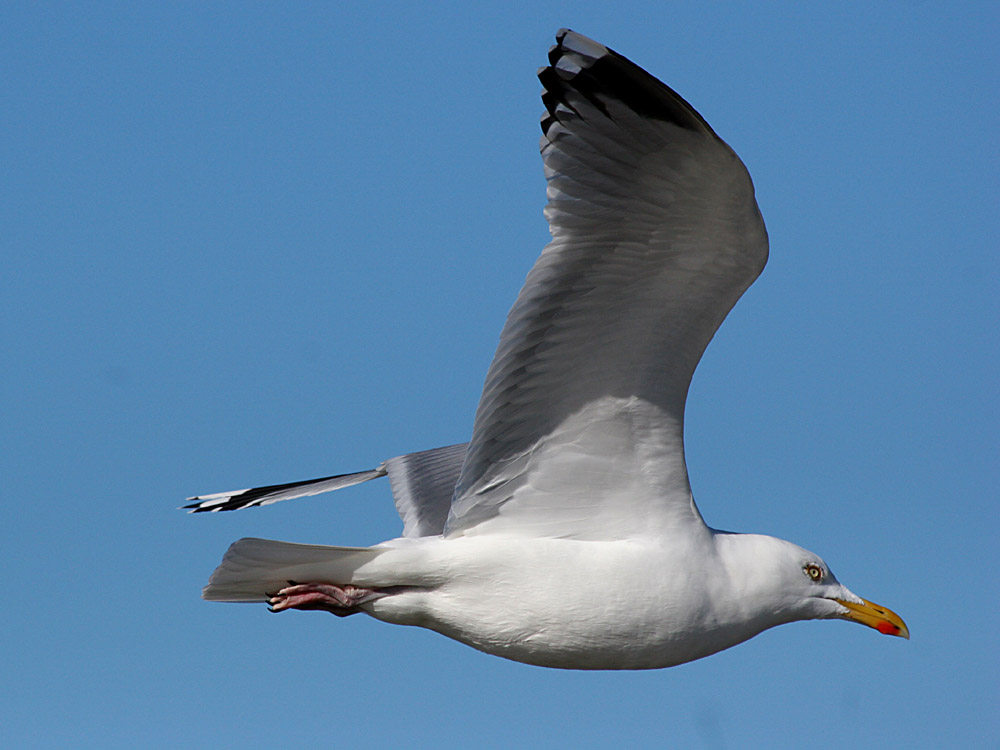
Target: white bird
[(565, 534)]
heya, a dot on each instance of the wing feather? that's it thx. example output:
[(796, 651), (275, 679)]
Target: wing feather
[(655, 235)]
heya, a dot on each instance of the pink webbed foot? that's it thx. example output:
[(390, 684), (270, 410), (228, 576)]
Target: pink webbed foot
[(339, 600)]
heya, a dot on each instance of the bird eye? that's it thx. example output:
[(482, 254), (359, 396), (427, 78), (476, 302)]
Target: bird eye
[(814, 571)]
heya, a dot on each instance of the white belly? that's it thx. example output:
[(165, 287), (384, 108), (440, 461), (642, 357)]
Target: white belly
[(566, 603)]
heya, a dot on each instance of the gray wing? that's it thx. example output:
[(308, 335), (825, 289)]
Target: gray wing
[(422, 488), (655, 235)]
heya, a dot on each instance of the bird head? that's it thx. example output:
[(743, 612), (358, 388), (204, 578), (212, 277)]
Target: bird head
[(796, 584)]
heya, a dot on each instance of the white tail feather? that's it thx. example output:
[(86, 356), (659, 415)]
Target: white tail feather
[(253, 568)]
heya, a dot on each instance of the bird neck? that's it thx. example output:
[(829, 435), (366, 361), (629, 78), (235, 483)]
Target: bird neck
[(751, 574)]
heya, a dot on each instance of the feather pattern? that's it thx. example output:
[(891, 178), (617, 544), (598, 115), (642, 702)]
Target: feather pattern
[(422, 487), (655, 235)]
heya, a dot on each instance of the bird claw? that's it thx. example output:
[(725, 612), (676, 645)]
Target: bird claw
[(340, 600)]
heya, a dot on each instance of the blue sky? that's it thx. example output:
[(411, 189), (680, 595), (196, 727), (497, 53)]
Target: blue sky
[(248, 243)]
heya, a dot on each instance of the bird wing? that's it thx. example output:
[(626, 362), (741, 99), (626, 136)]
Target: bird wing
[(273, 493), (422, 487), (655, 235)]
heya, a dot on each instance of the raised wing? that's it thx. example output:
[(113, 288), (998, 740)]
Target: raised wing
[(655, 235)]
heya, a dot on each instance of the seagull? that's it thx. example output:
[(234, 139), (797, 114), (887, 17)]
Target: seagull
[(564, 534)]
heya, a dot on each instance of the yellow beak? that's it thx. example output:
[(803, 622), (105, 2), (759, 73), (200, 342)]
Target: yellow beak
[(883, 619)]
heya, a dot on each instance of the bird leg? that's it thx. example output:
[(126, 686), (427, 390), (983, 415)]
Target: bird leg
[(341, 600)]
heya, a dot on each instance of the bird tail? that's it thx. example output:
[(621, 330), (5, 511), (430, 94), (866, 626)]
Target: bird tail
[(253, 568)]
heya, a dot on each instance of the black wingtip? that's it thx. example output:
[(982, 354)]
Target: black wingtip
[(605, 76), (207, 510), (200, 507)]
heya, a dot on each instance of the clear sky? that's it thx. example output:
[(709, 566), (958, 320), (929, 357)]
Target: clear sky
[(247, 243)]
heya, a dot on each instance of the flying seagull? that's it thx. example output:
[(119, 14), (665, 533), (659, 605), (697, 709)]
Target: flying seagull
[(564, 533)]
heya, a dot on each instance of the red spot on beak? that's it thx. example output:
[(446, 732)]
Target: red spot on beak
[(887, 628)]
